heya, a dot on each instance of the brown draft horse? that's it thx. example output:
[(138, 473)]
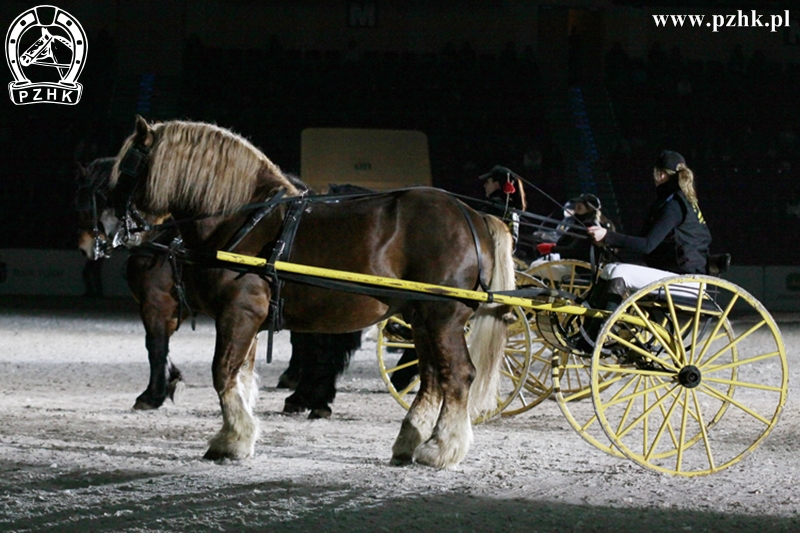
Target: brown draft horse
[(149, 277), (317, 358), (196, 170)]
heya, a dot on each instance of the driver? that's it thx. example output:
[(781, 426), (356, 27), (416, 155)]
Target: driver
[(675, 239)]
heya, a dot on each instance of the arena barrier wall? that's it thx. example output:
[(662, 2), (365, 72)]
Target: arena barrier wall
[(58, 273)]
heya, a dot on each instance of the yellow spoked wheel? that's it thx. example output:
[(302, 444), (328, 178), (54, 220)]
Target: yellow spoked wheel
[(574, 277), (394, 338), (575, 398), (571, 371), (537, 386), (678, 365)]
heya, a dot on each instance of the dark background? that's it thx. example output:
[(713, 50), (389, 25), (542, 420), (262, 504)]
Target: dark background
[(576, 97)]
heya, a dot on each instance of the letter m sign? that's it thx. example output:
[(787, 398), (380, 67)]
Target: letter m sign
[(361, 14)]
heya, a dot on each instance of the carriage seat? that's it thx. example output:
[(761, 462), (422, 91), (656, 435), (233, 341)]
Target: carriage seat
[(718, 264), (684, 298)]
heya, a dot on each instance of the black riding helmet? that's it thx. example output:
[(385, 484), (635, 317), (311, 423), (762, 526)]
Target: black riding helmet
[(589, 200), (669, 160)]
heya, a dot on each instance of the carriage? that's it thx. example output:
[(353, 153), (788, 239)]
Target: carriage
[(670, 382)]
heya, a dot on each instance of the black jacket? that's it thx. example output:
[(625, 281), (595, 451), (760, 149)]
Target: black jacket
[(675, 237)]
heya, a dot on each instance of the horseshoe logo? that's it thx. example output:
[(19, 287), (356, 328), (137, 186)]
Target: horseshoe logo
[(40, 39)]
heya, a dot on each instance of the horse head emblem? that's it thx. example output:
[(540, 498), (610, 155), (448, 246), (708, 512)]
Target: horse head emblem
[(48, 44)]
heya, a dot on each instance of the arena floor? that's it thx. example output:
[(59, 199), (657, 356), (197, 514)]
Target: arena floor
[(74, 456)]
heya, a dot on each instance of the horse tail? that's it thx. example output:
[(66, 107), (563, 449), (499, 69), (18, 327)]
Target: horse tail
[(487, 337)]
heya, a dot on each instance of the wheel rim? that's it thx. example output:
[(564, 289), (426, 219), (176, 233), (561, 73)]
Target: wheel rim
[(388, 345), (663, 398), (537, 386)]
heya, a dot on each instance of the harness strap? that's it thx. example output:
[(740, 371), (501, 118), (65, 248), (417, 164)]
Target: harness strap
[(131, 166), (281, 249), (253, 220), (177, 275), (475, 240)]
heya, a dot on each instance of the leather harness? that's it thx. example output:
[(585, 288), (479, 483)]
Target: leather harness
[(132, 166)]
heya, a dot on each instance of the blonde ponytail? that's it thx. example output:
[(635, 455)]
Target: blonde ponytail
[(686, 183)]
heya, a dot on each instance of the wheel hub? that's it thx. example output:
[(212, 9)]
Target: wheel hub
[(690, 376)]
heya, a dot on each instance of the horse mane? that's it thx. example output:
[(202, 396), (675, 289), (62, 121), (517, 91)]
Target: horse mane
[(204, 168)]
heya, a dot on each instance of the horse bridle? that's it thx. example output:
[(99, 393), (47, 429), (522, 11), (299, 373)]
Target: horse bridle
[(87, 200), (131, 167)]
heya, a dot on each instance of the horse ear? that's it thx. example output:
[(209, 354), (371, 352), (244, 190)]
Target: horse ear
[(144, 135)]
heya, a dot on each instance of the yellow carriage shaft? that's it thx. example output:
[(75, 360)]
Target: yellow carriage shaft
[(559, 305)]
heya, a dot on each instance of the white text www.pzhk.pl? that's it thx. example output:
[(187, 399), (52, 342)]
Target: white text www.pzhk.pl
[(740, 19)]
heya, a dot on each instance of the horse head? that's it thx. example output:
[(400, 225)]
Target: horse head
[(188, 169)]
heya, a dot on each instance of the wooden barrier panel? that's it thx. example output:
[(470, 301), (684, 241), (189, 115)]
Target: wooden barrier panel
[(375, 159)]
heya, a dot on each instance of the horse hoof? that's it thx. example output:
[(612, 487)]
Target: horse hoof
[(142, 405), (216, 455), (292, 408), (399, 460), (319, 413), (176, 389)]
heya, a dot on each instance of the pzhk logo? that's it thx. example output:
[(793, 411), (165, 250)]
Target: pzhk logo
[(49, 45)]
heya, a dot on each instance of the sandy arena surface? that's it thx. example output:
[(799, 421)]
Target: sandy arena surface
[(74, 456)]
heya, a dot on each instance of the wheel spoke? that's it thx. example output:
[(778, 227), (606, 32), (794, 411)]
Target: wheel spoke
[(740, 362), (643, 352), (726, 398), (666, 423), (631, 370), (663, 340), (676, 324), (744, 384), (735, 342), (723, 319), (664, 414), (704, 431), (647, 411), (401, 367), (410, 387), (631, 401)]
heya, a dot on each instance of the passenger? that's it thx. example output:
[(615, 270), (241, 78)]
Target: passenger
[(584, 210)]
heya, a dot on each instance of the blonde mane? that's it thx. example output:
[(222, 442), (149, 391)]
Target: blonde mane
[(203, 168)]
